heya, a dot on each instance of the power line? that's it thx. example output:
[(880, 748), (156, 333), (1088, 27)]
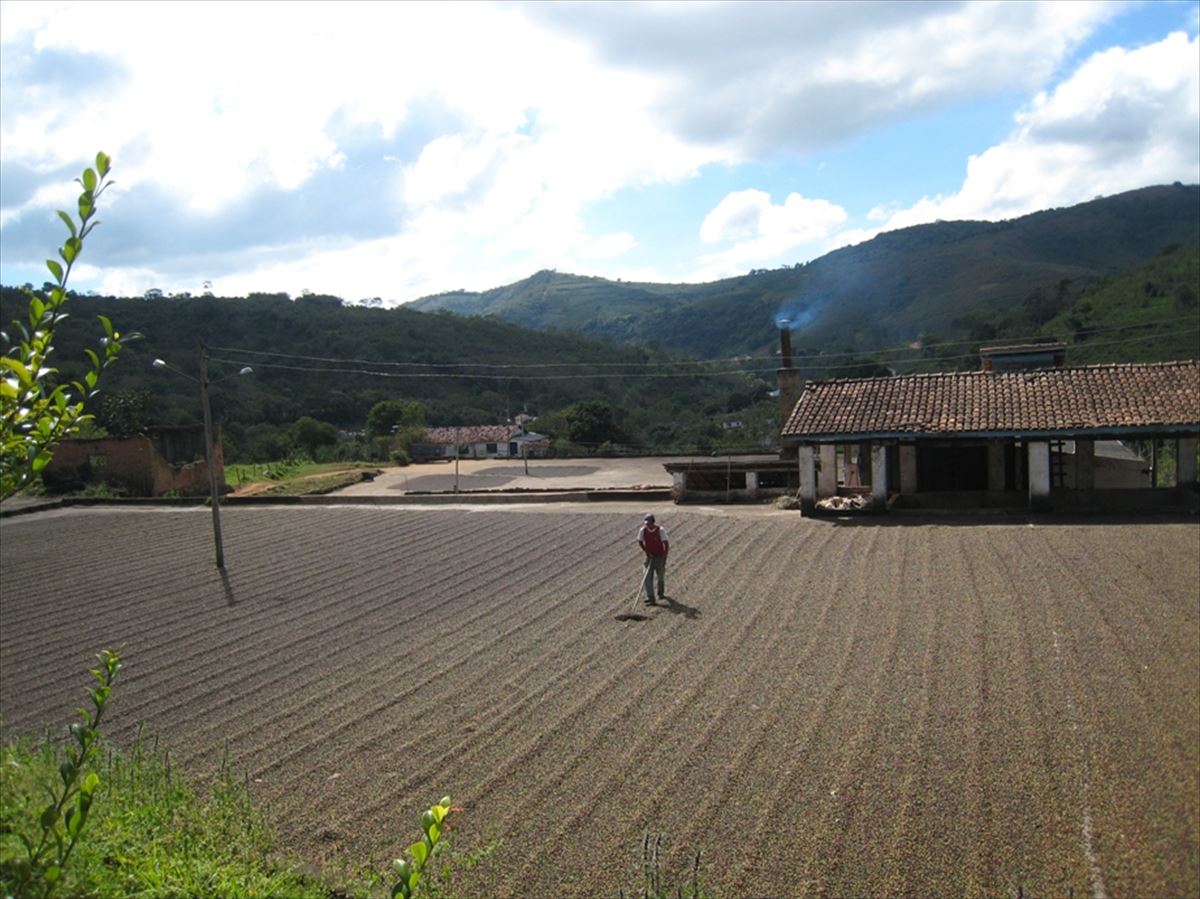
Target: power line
[(497, 365), (480, 376), (818, 359), (750, 370)]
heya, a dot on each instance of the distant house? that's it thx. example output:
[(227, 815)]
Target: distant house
[(163, 460), (1043, 438), (480, 442)]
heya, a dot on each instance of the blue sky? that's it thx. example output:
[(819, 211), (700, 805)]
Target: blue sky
[(396, 150)]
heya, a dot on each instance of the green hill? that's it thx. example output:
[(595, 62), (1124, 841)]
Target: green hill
[(1118, 279), (315, 356), (938, 281)]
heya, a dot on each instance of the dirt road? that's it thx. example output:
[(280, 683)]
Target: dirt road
[(516, 474), (823, 708)]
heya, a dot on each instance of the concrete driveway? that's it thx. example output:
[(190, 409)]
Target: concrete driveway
[(510, 474)]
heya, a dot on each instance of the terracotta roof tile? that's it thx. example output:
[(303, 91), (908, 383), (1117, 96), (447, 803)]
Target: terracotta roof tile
[(1163, 394), (472, 435)]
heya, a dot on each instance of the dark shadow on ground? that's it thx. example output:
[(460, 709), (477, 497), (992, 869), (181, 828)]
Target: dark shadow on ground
[(492, 478), (230, 599), (546, 471), (436, 483), (675, 607), (1004, 519)]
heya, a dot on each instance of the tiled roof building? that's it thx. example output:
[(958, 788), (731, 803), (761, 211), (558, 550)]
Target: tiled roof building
[(1001, 437), (469, 435), (1051, 402)]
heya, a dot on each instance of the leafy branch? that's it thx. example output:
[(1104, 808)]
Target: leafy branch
[(62, 821), (432, 822), (35, 413)]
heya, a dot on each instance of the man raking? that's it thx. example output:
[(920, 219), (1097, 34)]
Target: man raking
[(655, 544)]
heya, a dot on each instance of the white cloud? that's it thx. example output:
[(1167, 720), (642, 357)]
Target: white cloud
[(446, 167), (607, 246), (761, 78), (506, 122), (1124, 119), (763, 232)]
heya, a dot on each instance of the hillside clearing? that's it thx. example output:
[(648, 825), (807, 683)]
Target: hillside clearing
[(823, 708)]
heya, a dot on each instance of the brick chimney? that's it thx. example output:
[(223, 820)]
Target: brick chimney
[(789, 377)]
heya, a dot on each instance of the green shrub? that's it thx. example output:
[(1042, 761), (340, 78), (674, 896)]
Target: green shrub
[(153, 833), (35, 866), (36, 412)]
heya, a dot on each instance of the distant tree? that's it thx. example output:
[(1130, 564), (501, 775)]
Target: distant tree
[(592, 422), (125, 413), (310, 435), (978, 324), (266, 443), (389, 416)]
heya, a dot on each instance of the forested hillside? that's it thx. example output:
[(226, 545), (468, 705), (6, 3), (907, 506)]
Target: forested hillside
[(316, 357), (1118, 279), (936, 282)]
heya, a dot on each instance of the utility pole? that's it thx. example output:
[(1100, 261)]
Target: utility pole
[(214, 491), (209, 455)]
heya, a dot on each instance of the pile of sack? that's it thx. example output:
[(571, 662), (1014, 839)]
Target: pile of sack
[(859, 502)]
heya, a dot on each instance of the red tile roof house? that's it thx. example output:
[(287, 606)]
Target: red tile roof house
[(480, 442), (997, 438)]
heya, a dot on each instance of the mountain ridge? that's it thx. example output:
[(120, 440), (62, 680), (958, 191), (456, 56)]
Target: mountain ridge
[(899, 285)]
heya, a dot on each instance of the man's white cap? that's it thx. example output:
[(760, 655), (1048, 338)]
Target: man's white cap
[(649, 517)]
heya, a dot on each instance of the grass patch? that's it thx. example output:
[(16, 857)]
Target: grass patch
[(297, 479), (151, 832)]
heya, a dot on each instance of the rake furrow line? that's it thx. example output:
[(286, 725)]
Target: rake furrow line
[(858, 753), (1094, 681), (717, 795), (1009, 714), (958, 687), (104, 587), (1085, 588), (835, 579), (330, 698), (519, 628), (897, 857), (593, 808), (1074, 751), (288, 650), (533, 747), (685, 706), (1027, 766)]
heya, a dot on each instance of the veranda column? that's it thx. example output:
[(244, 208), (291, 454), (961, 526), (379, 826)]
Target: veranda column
[(879, 473), (1185, 461), (995, 466), (908, 468), (1039, 474), (827, 471), (806, 458), (1085, 464)]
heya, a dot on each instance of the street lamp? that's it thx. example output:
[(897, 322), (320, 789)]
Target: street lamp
[(204, 382)]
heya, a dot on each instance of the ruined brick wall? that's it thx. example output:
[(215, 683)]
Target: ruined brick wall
[(135, 465)]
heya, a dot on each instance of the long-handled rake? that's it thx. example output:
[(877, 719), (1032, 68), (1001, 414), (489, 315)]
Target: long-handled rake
[(633, 614)]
